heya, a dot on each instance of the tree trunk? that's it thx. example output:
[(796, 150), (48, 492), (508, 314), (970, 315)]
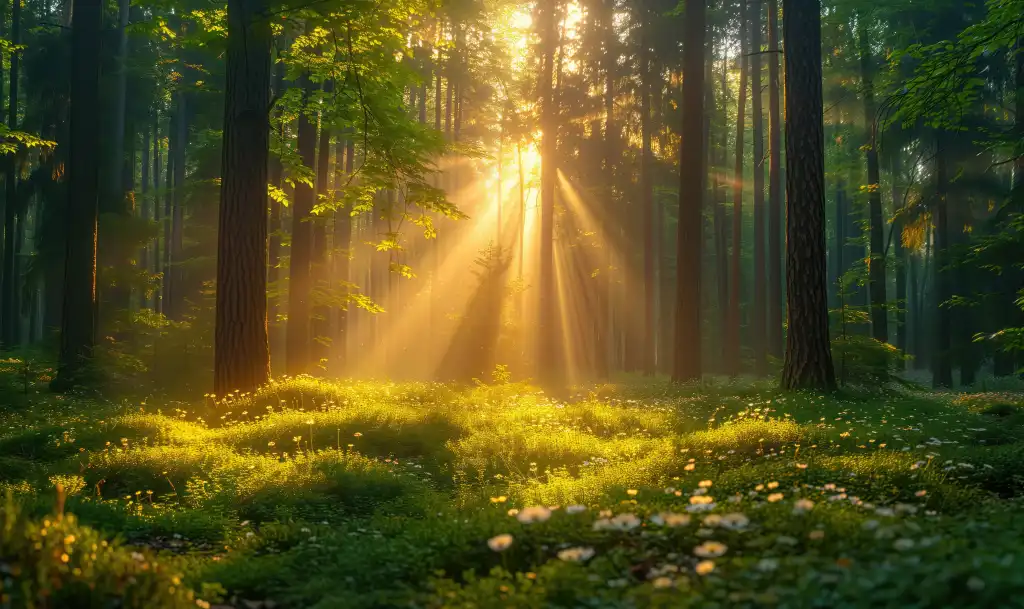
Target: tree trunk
[(275, 175), (321, 314), (168, 274), (900, 254), (687, 361), (775, 199), (759, 310), (9, 311), (242, 347), (548, 344), (876, 265), (808, 363), (343, 257), (297, 347), (721, 241), (121, 103), (942, 368), (78, 321), (732, 340), (157, 255), (176, 300), (145, 250)]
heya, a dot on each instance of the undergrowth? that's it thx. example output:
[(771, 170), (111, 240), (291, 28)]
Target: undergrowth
[(319, 494)]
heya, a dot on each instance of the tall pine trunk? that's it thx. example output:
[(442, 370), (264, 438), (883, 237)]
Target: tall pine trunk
[(808, 362), (687, 361), (342, 255), (297, 345), (647, 348), (275, 176), (732, 340), (78, 321), (9, 318), (241, 345), (759, 310), (318, 266), (176, 300), (548, 344), (775, 202)]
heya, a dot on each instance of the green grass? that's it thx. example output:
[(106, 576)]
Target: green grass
[(318, 494)]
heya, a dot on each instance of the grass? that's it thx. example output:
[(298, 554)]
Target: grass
[(317, 494)]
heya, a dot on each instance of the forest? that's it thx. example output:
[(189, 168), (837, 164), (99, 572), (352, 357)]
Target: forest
[(511, 303)]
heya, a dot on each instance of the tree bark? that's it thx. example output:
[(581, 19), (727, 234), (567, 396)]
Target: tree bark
[(78, 321), (942, 368), (176, 300), (775, 198), (687, 362), (647, 346), (242, 347), (343, 257), (876, 264), (548, 344), (808, 362), (318, 266), (732, 340), (760, 313), (9, 312), (297, 347)]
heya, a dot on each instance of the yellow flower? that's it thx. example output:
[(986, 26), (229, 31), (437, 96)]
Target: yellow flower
[(670, 519), (689, 467), (803, 505), (774, 497), (576, 554), (704, 483), (705, 566), (772, 485), (710, 549), (632, 492), (663, 582)]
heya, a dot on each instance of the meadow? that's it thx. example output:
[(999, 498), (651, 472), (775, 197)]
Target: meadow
[(637, 494)]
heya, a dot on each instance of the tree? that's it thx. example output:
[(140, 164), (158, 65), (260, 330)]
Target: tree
[(760, 312), (687, 361), (808, 362), (241, 349), (78, 320), (297, 346), (547, 323), (876, 264), (732, 339), (9, 297), (774, 187)]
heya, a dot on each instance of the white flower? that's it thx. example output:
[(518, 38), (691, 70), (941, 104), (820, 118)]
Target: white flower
[(712, 520), (670, 519), (537, 513), (903, 544), (768, 564), (622, 522), (802, 506), (786, 540), (700, 507), (710, 549), (500, 543), (576, 554), (575, 509), (735, 521)]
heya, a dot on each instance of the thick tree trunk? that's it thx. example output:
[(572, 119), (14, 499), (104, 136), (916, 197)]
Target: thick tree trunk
[(297, 346), (775, 198), (9, 311), (610, 59), (759, 310), (721, 241), (242, 348), (942, 367), (548, 344), (687, 361), (78, 321), (808, 363), (732, 339), (876, 265)]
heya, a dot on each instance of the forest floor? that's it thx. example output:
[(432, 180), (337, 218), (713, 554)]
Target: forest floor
[(317, 494)]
